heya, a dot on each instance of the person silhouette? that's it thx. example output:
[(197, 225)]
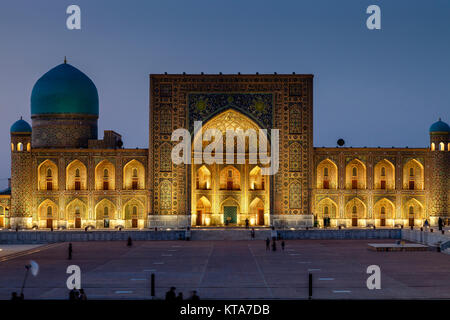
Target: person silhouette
[(70, 251), (170, 295)]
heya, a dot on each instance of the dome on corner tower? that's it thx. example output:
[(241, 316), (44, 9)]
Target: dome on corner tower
[(20, 126), (64, 90), (439, 126)]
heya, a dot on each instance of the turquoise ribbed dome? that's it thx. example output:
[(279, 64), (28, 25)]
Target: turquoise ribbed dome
[(20, 126), (439, 126), (64, 90)]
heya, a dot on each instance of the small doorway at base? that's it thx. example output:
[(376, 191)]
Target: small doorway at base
[(134, 223), (382, 222), (354, 222), (198, 220), (229, 214), (106, 223), (411, 222), (49, 223), (77, 223), (260, 216)]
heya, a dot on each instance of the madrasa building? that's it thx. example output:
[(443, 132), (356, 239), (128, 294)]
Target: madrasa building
[(64, 176)]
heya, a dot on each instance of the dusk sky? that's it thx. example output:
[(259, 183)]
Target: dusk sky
[(371, 87)]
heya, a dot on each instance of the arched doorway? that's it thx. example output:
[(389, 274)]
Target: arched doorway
[(220, 181), (133, 213), (203, 212), (230, 211), (257, 212), (355, 210)]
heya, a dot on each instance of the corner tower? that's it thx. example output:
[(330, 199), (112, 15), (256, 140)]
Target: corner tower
[(20, 174), (440, 158), (64, 109)]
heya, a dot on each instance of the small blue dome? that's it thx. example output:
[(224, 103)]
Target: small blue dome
[(64, 90), (20, 126), (439, 126)]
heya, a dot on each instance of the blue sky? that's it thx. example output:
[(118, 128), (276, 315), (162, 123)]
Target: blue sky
[(372, 88)]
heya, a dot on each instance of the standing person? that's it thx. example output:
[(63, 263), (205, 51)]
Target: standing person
[(253, 234), (129, 242), (187, 234), (282, 245), (246, 223), (194, 296), (440, 223), (170, 295), (426, 223), (73, 294), (267, 244), (70, 251), (179, 296), (273, 234), (82, 296), (274, 246)]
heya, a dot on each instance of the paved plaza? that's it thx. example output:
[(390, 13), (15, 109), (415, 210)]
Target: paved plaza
[(230, 270)]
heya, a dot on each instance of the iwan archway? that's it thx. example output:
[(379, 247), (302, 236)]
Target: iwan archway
[(223, 193)]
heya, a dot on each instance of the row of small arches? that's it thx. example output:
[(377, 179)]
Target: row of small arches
[(356, 174), (105, 176), (20, 147), (441, 146)]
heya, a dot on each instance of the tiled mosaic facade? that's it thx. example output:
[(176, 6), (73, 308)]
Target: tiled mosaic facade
[(105, 186)]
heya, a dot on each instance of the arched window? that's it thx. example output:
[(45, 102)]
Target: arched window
[(325, 172), (383, 171), (354, 209), (383, 210), (105, 179), (20, 146), (354, 171), (49, 173), (49, 211), (433, 146), (441, 146), (28, 147), (77, 173), (105, 211), (77, 211), (325, 211), (134, 210), (411, 172), (135, 173), (411, 210), (12, 146)]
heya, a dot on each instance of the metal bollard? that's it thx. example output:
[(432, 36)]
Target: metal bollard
[(310, 286), (152, 285)]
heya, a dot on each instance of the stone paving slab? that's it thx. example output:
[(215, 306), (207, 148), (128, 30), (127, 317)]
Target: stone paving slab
[(231, 270)]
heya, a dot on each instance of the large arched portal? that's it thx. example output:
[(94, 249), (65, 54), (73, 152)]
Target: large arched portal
[(227, 172)]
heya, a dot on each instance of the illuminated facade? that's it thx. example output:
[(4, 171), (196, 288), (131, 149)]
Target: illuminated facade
[(62, 175)]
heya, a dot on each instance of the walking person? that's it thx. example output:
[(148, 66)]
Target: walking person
[(187, 234), (426, 223), (82, 295), (246, 223), (74, 294), (274, 246), (282, 245), (170, 295), (194, 296), (129, 242), (252, 234), (70, 251), (267, 244), (440, 223)]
